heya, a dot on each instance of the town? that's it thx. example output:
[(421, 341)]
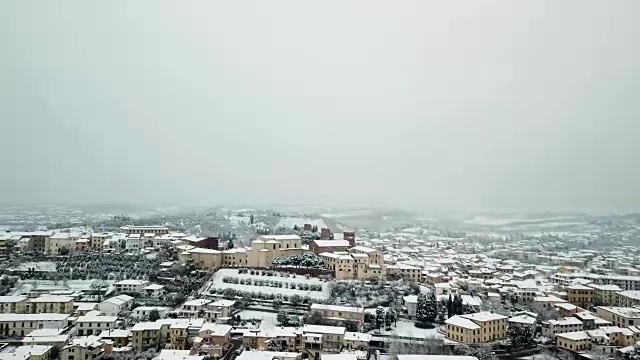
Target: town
[(297, 288)]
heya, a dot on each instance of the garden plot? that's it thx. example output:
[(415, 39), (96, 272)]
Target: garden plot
[(268, 320), (217, 282)]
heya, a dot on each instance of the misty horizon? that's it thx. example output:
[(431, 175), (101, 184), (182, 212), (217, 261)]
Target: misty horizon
[(424, 106)]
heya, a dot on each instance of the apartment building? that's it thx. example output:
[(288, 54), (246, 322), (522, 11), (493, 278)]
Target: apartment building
[(131, 286), (94, 324), (619, 316), (146, 335), (50, 304), (403, 271), (605, 295), (553, 327), (576, 341), (61, 241), (624, 282), (580, 295), (83, 348), (339, 313), (13, 304), (215, 337), (236, 257), (353, 266), (288, 337), (21, 324), (319, 339), (141, 230), (134, 243), (97, 240), (219, 309), (476, 328), (628, 298)]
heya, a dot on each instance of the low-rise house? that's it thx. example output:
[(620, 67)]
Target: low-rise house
[(153, 290), (114, 305), (193, 308), (319, 339), (118, 337), (288, 338), (82, 308), (219, 309), (356, 341), (339, 313), (27, 352), (143, 312)]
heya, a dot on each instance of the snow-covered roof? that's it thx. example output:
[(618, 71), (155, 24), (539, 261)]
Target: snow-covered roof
[(458, 320)]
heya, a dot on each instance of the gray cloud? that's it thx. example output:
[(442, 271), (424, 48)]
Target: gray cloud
[(416, 104)]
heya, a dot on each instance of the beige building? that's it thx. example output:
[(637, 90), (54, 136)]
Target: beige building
[(605, 295), (360, 263), (339, 313), (215, 338), (269, 247), (94, 324), (83, 348), (22, 324), (576, 341), (404, 271), (50, 304), (580, 295), (619, 316), (288, 337), (260, 255), (13, 304), (219, 309), (476, 328), (553, 327)]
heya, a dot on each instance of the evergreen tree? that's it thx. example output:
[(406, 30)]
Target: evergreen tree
[(442, 314), (450, 307), (380, 317), (282, 318), (457, 305), (230, 244), (275, 345), (422, 314), (392, 316), (431, 307), (251, 219), (295, 227), (154, 315), (634, 354)]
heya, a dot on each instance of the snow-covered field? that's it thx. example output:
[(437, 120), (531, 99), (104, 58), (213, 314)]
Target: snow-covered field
[(218, 283), (268, 320), (406, 328), (497, 221), (73, 285)]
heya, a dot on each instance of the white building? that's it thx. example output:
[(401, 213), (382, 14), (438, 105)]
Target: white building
[(132, 286), (113, 306), (142, 312)]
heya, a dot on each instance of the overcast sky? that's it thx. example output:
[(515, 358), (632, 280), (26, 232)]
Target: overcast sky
[(415, 104)]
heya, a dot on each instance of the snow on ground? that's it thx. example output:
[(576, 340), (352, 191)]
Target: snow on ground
[(47, 266), (289, 223), (42, 285), (268, 320), (218, 283), (406, 328)]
